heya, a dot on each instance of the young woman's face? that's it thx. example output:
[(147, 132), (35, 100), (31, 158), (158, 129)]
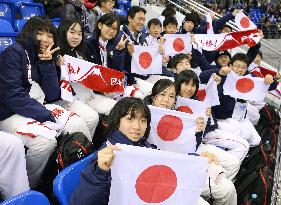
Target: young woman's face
[(133, 128), (183, 65), (108, 32), (188, 26), (45, 39), (166, 98), (188, 89), (74, 35), (108, 6)]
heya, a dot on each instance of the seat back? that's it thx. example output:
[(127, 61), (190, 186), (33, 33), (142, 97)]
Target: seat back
[(68, 179), (27, 198), (6, 39), (6, 26), (7, 11), (28, 10), (19, 24)]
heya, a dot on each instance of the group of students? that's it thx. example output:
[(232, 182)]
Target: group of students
[(29, 83)]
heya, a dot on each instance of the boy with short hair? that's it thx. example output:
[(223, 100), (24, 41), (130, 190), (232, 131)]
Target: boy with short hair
[(170, 26), (180, 62), (231, 113), (154, 32)]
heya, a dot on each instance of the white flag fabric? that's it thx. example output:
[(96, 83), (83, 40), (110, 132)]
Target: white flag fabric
[(172, 130), (209, 25), (245, 87), (49, 130), (156, 177), (177, 43), (225, 41), (243, 22), (146, 60), (195, 107), (212, 95), (93, 76), (201, 93), (65, 86)]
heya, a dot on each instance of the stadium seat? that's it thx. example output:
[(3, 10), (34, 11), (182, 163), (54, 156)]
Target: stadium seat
[(6, 26), (7, 39), (7, 11), (120, 12), (17, 3), (68, 179), (27, 198), (56, 22), (19, 24), (28, 10)]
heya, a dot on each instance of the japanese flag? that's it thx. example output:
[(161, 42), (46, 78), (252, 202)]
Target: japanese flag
[(201, 93), (212, 96), (209, 23), (243, 22), (93, 76), (245, 87), (195, 107), (177, 43), (65, 86), (142, 176), (146, 60), (172, 131)]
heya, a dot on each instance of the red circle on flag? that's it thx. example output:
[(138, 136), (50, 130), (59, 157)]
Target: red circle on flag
[(156, 184), (145, 60), (201, 94), (185, 109), (245, 22), (178, 44), (169, 128), (244, 85)]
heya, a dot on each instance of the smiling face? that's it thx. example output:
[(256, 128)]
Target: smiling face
[(45, 39), (108, 32), (187, 89), (188, 26), (133, 127), (74, 35), (166, 98), (171, 28), (136, 23), (223, 60)]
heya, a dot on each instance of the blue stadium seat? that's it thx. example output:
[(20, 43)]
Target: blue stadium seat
[(17, 3), (6, 26), (28, 198), (28, 10), (56, 22), (19, 24), (68, 179), (7, 11), (7, 39), (120, 12)]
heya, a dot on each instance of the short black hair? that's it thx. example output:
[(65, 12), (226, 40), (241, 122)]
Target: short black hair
[(177, 58), (107, 19), (33, 26), (226, 26), (240, 57), (168, 12), (170, 20), (186, 76), (125, 106), (154, 21), (170, 5), (133, 10), (62, 30)]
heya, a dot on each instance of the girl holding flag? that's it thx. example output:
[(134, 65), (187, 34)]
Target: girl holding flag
[(128, 123), (187, 85), (28, 78), (163, 95)]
